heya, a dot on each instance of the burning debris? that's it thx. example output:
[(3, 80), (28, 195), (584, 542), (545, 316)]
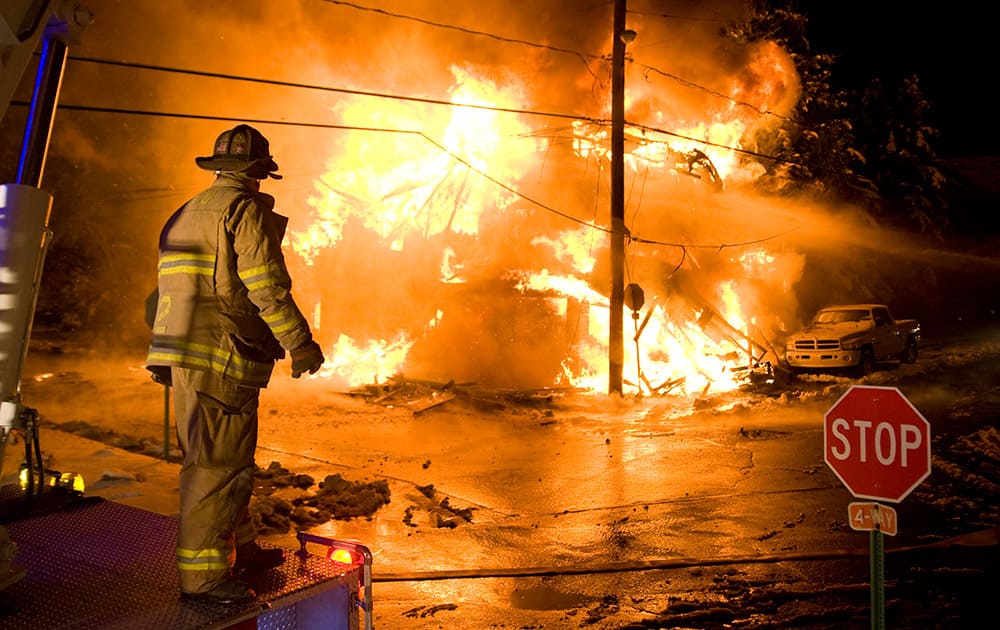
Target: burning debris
[(718, 354), (415, 396), (420, 395), (480, 259)]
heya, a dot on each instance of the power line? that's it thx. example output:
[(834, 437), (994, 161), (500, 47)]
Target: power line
[(398, 97), (137, 112), (420, 134), (216, 75), (687, 18), (693, 85), (426, 138), (322, 88), (583, 56), (717, 246), (717, 145), (512, 190)]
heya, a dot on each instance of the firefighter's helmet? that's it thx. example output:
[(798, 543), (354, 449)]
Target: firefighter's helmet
[(241, 149)]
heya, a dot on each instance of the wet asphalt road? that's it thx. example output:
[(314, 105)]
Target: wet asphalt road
[(586, 510), (575, 500)]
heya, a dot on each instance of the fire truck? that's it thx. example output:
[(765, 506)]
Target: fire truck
[(72, 561)]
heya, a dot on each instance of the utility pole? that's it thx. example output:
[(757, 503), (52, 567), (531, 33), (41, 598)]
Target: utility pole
[(616, 348)]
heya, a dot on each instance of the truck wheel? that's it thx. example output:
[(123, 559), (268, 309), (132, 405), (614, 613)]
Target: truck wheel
[(910, 352), (866, 365), (787, 376)]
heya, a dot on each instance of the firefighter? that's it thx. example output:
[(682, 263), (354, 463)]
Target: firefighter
[(224, 314)]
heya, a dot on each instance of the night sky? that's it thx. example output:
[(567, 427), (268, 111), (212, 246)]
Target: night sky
[(951, 46)]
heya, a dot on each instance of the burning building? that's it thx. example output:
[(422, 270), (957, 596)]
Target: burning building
[(450, 221), (470, 242)]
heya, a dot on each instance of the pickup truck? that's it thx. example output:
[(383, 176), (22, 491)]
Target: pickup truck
[(852, 338)]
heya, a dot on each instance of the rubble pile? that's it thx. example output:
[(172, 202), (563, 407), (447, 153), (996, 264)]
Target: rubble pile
[(335, 499), (421, 395)]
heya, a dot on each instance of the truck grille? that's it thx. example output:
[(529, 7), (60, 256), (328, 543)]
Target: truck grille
[(817, 344)]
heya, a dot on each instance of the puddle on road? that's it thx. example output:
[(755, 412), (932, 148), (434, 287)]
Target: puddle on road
[(545, 597)]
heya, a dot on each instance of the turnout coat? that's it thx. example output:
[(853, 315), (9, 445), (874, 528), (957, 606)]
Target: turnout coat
[(225, 301)]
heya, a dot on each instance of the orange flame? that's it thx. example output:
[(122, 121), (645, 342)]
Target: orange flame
[(354, 366), (410, 190)]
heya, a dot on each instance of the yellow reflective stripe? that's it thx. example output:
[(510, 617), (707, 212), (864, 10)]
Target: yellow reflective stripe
[(281, 321), (197, 264), (257, 277), (166, 356), (197, 355), (202, 559)]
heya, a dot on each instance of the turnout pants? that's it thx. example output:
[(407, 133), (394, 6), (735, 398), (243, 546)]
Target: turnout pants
[(217, 432)]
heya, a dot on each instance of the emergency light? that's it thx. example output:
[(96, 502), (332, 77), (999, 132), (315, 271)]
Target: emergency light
[(346, 552), (70, 481), (345, 556)]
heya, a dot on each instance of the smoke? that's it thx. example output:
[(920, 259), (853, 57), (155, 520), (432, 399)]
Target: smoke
[(496, 201), (425, 219)]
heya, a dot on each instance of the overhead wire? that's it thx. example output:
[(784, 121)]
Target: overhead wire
[(584, 56), (511, 40), (673, 16), (469, 31), (323, 88), (715, 246), (420, 134), (693, 85), (425, 137), (400, 97), (489, 177)]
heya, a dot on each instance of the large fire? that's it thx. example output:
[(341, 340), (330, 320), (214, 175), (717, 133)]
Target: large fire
[(480, 245)]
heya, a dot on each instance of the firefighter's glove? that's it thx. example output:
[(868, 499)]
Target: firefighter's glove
[(160, 374), (306, 358)]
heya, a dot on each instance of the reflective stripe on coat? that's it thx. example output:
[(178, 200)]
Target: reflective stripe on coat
[(225, 301)]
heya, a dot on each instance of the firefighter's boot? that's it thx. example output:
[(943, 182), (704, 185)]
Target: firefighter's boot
[(228, 590)]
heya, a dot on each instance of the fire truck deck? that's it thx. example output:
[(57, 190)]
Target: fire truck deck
[(92, 563)]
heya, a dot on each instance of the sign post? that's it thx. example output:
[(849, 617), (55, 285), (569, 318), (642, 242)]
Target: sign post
[(879, 446), (876, 568)]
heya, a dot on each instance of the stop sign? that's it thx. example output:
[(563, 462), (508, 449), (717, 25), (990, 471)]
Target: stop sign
[(877, 443)]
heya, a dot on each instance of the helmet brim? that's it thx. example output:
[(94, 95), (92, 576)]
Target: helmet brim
[(217, 163)]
